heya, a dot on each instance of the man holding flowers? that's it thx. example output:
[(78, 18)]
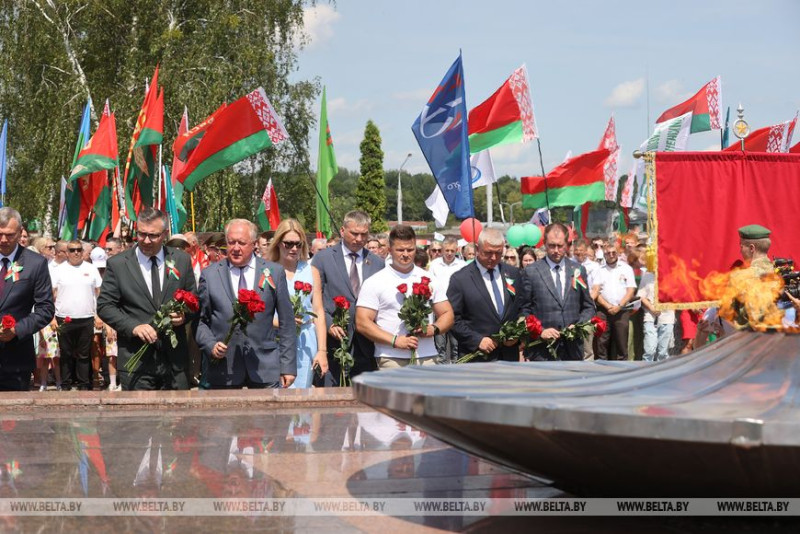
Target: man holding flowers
[(136, 285), (238, 298), (401, 308)]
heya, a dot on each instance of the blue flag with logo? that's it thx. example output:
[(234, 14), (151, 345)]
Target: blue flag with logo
[(441, 132)]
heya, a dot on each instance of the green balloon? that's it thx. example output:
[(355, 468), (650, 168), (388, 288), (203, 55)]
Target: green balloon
[(532, 234), (516, 236)]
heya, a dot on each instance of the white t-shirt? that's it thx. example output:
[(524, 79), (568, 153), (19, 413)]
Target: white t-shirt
[(591, 267), (443, 271), (379, 293), (647, 291), (614, 282), (75, 290)]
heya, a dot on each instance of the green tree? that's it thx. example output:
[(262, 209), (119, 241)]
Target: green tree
[(371, 190), (56, 54)]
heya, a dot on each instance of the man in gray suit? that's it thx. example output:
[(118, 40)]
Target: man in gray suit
[(343, 269), (27, 296), (254, 359), (136, 284), (557, 293)]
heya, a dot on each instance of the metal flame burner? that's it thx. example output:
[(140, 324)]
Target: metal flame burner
[(723, 421)]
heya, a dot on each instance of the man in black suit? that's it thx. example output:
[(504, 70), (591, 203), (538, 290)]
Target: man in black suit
[(342, 270), (136, 284), (26, 294), (557, 293), (484, 295)]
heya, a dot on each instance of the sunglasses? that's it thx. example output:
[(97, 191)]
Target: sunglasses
[(436, 250), (289, 245), (510, 257), (75, 249)]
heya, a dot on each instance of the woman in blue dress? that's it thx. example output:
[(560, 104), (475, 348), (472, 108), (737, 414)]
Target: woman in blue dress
[(290, 248)]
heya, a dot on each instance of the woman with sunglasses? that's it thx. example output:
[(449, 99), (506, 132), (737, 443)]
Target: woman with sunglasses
[(510, 257), (290, 249)]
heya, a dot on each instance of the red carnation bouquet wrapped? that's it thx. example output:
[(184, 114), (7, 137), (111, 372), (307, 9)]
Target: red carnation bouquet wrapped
[(182, 302), (301, 291), (521, 329), (416, 308), (576, 332), (341, 318)]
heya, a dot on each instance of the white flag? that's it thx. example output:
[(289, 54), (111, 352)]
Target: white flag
[(438, 205), (482, 174)]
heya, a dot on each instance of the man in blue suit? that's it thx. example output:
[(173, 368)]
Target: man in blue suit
[(26, 295), (556, 291), (255, 359), (343, 269)]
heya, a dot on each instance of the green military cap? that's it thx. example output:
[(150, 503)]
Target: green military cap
[(754, 231)]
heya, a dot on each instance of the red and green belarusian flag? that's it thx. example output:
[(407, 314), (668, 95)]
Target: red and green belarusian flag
[(90, 172), (242, 129), (705, 107), (577, 180), (775, 138), (268, 214), (326, 169), (72, 193), (177, 165), (505, 117), (141, 167)]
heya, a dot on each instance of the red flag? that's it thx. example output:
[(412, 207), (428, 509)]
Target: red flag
[(177, 163), (267, 213), (795, 149), (775, 138), (705, 107), (609, 141)]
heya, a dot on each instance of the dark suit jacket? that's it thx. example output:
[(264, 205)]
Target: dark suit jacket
[(125, 303), (476, 316), (541, 300), (335, 280), (256, 355), (30, 301)]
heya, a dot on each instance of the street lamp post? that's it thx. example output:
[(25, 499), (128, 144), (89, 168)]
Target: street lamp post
[(512, 210), (400, 190)]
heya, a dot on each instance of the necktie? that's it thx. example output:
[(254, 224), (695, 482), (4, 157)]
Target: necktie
[(355, 282), (559, 287), (242, 280), (498, 296), (3, 273), (155, 284)]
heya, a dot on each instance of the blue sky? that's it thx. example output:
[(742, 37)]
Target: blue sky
[(381, 60)]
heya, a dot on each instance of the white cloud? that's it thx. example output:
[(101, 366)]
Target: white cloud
[(417, 95), (626, 94), (318, 22), (509, 153), (342, 107), (671, 92)]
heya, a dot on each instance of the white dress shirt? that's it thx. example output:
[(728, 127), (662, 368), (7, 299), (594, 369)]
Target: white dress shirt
[(145, 266), (561, 273), (249, 274), (359, 261)]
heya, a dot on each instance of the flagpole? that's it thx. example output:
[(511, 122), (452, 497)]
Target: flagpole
[(316, 189), (160, 177), (500, 203), (191, 200), (544, 175)]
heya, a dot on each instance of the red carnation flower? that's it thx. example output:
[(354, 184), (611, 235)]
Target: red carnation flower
[(8, 322), (68, 319), (341, 302), (425, 280), (423, 290), (187, 298), (402, 288), (600, 325), (247, 295), (255, 306), (298, 286), (307, 288), (534, 326)]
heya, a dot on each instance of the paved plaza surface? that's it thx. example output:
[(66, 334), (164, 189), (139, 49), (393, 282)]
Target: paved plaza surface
[(207, 446)]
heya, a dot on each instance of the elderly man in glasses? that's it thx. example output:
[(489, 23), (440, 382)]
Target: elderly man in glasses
[(137, 283), (76, 284)]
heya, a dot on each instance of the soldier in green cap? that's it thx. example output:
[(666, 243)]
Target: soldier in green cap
[(754, 243)]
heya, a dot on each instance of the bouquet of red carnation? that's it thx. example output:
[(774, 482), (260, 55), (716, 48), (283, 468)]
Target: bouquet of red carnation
[(521, 329), (244, 311), (576, 332), (182, 301), (416, 309), (341, 318), (301, 290), (7, 323)]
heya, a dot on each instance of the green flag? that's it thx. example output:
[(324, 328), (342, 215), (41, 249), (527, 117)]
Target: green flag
[(326, 169)]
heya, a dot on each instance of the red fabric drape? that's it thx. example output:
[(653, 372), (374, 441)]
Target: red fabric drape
[(702, 198)]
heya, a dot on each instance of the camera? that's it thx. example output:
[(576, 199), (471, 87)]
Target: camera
[(791, 278)]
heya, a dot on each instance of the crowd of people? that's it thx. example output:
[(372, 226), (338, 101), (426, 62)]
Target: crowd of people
[(80, 316)]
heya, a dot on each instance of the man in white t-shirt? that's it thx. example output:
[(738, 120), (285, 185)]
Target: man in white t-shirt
[(380, 301), (658, 325), (615, 285), (442, 268), (76, 285)]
